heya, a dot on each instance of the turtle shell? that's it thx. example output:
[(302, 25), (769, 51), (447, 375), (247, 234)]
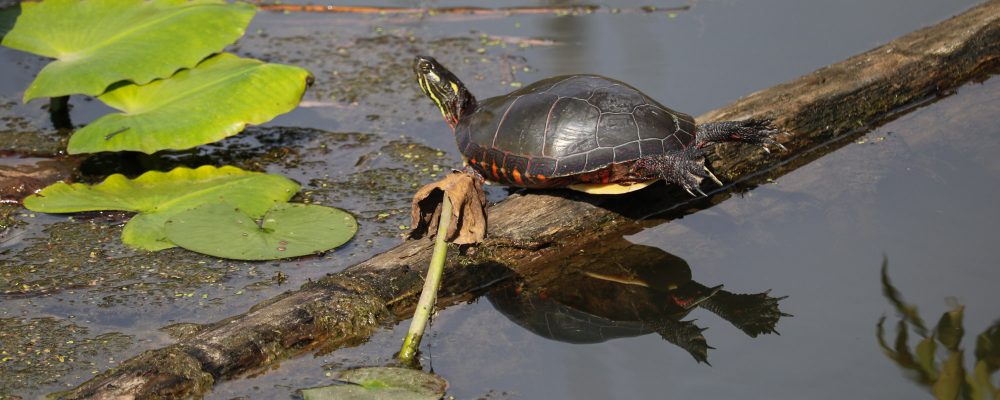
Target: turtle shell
[(567, 129)]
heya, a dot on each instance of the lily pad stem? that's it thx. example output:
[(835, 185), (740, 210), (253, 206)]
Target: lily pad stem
[(431, 284), (59, 113)]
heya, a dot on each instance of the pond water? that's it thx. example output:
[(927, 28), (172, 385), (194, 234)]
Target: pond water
[(919, 191)]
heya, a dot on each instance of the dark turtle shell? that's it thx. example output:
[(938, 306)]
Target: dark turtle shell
[(568, 126)]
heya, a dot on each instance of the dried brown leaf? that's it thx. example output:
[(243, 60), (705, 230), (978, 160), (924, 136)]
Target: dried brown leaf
[(468, 219)]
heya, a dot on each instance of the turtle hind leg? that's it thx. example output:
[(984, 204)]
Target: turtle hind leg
[(684, 168), (752, 131)]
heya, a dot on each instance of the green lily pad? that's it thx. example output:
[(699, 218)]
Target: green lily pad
[(99, 42), (286, 230), (157, 196), (215, 100), (388, 383)]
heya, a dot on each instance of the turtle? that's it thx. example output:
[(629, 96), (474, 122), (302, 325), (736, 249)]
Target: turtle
[(628, 290), (586, 132)]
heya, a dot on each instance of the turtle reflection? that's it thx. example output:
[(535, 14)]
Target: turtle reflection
[(628, 290)]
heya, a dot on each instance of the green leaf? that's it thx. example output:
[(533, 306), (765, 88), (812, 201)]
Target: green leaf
[(880, 335), (908, 311), (949, 328), (988, 347), (952, 378), (903, 356), (925, 357), (159, 195), (100, 42), (387, 383), (286, 230), (981, 386), (197, 106)]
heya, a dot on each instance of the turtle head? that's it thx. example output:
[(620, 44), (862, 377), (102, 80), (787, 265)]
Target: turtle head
[(444, 88)]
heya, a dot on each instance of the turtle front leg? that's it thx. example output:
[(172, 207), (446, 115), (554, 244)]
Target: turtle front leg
[(685, 168), (752, 131)]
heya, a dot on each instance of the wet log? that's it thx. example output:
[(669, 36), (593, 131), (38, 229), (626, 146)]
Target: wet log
[(471, 11), (820, 111)]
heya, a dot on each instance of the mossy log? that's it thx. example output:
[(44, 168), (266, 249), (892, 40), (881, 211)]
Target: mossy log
[(820, 111)]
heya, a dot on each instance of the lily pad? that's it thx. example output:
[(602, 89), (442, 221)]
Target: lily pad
[(157, 196), (387, 383), (99, 42), (286, 230), (215, 100)]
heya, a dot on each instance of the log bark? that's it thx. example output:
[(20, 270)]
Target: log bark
[(820, 111), (472, 11)]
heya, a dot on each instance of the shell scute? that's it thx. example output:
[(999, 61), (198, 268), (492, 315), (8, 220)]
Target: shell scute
[(571, 125), (614, 128), (627, 152), (612, 99), (571, 128), (570, 165), (599, 158)]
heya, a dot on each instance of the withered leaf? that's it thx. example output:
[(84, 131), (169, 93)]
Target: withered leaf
[(468, 215)]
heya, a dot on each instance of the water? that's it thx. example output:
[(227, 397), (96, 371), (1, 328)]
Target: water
[(919, 191)]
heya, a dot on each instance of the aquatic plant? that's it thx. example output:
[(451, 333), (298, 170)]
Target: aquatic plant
[(285, 230), (381, 383), (158, 196), (944, 375), (215, 100), (153, 61), (100, 42)]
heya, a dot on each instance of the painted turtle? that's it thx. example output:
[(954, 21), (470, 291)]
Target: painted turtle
[(586, 132), (627, 290)]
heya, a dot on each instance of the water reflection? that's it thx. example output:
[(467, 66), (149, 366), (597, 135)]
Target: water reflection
[(941, 369), (627, 290)]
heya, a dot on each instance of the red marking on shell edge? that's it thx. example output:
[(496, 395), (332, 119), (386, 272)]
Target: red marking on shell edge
[(540, 177), (517, 177), (495, 174)]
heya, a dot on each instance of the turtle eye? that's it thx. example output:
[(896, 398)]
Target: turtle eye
[(424, 67)]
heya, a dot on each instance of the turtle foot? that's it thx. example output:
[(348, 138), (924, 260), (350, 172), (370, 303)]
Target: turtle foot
[(760, 132), (686, 335), (684, 168), (754, 314)]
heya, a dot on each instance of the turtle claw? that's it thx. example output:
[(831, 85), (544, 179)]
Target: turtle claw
[(712, 176), (685, 168)]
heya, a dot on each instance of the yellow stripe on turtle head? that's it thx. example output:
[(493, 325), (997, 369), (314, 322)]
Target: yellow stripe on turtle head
[(610, 188), (434, 77), (427, 88)]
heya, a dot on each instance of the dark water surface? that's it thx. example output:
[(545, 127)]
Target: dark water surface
[(920, 191)]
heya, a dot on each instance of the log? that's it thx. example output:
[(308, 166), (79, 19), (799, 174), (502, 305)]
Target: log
[(820, 111), (475, 11)]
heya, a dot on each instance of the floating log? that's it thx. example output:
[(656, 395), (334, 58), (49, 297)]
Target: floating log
[(822, 110), (473, 11)]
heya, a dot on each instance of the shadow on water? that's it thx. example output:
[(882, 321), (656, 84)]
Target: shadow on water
[(628, 290)]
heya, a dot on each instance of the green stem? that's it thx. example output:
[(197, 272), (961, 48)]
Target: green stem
[(431, 284), (59, 113)]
